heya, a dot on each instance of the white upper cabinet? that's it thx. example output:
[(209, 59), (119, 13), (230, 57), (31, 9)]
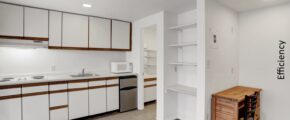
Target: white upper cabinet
[(11, 20), (100, 33), (55, 19), (121, 33), (75, 30), (35, 22)]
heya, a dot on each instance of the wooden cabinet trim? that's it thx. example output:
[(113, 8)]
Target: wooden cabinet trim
[(78, 81), (113, 85), (150, 79), (58, 107), (10, 97), (34, 84), (10, 87), (58, 91), (111, 78), (78, 89), (35, 94), (58, 82), (98, 87), (146, 86)]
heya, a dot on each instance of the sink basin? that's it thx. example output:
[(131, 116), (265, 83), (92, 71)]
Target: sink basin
[(84, 75), (6, 79)]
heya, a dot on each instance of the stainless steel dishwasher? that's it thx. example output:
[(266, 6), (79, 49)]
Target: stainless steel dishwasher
[(128, 93)]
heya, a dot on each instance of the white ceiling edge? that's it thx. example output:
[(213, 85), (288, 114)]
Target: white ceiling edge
[(127, 10), (250, 5)]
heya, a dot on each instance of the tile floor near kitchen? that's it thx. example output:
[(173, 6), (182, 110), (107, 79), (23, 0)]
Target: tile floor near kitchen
[(149, 113)]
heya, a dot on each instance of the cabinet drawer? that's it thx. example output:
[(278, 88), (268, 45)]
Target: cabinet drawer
[(224, 116), (150, 83), (58, 99), (97, 83), (78, 85), (35, 88), (58, 87), (8, 92), (59, 114), (225, 109), (112, 81), (225, 102)]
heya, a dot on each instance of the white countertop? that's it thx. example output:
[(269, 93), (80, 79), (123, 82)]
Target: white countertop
[(55, 77)]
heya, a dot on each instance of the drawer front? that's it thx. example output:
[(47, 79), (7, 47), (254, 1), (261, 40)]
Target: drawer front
[(58, 99), (78, 85), (97, 83), (35, 89), (8, 92), (225, 102), (112, 81), (224, 116), (58, 87), (225, 109), (59, 114), (150, 83)]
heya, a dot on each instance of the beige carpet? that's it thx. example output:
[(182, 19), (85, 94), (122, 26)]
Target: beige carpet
[(149, 113)]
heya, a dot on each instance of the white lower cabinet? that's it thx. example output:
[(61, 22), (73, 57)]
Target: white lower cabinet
[(97, 97), (35, 103), (78, 100), (10, 109), (59, 114), (112, 95), (150, 94)]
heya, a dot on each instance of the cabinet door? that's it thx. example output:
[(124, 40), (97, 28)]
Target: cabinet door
[(97, 97), (10, 107), (150, 94), (75, 31), (121, 35), (78, 100), (58, 102), (55, 19), (11, 20), (35, 23), (100, 33), (112, 95), (35, 103)]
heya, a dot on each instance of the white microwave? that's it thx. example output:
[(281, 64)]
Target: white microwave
[(121, 67)]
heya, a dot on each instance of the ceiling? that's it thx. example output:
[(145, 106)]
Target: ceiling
[(128, 10), (246, 5)]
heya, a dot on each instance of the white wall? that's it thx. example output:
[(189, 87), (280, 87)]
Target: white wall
[(149, 37), (260, 31), (136, 56), (222, 62), (41, 60)]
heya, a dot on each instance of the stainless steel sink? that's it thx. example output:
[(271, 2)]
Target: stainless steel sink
[(84, 75)]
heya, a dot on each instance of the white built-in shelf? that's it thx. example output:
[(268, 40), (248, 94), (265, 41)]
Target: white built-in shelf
[(185, 26), (149, 56), (150, 64), (182, 89), (149, 50), (183, 64), (183, 44)]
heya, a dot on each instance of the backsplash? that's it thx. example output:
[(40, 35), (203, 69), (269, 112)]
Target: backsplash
[(42, 60)]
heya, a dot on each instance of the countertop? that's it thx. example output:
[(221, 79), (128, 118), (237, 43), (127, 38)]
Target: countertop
[(56, 77)]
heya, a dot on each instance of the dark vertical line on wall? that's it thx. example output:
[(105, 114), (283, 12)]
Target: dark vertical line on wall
[(88, 32), (130, 47), (48, 26), (23, 22), (111, 34), (67, 93), (61, 29)]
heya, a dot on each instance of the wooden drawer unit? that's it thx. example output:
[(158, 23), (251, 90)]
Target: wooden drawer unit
[(228, 104)]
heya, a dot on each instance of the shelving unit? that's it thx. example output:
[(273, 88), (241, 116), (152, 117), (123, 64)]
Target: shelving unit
[(183, 64), (184, 26), (150, 61), (180, 77), (182, 89), (183, 44)]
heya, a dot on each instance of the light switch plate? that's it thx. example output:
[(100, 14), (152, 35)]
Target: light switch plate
[(214, 40)]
